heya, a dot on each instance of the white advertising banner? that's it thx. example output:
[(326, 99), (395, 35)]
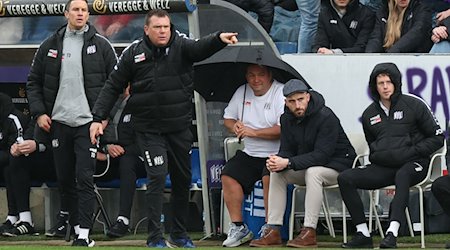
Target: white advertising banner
[(343, 81)]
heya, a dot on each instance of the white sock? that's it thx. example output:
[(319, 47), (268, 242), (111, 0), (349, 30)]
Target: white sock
[(125, 220), (393, 227), (12, 218), (84, 233), (76, 228), (26, 217), (363, 229)]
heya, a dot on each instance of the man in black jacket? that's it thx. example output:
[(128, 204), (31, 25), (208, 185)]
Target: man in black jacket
[(68, 71), (22, 156), (159, 70), (402, 133), (344, 27), (313, 150)]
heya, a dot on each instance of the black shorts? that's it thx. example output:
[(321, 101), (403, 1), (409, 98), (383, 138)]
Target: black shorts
[(246, 170)]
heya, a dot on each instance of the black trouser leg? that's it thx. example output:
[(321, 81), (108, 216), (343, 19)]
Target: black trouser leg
[(441, 190), (180, 175), (12, 207), (153, 149), (128, 164), (408, 175), (21, 181)]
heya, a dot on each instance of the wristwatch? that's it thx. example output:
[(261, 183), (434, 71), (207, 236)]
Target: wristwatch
[(289, 165)]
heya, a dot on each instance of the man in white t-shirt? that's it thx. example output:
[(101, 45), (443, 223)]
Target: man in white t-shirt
[(253, 115)]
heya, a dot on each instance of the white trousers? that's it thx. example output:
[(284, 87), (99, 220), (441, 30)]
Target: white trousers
[(315, 178)]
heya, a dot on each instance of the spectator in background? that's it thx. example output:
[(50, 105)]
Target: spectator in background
[(67, 73), (117, 27), (439, 35), (263, 8), (309, 16), (253, 115), (401, 26), (37, 29), (313, 150), (402, 133), (344, 27), (12, 28)]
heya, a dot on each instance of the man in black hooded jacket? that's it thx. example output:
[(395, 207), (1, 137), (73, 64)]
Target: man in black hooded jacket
[(313, 150), (402, 133)]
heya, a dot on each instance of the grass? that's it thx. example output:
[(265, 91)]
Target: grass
[(132, 242)]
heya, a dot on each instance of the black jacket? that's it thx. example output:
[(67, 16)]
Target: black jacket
[(317, 139), (119, 132), (43, 80), (349, 33), (409, 133), (9, 130), (415, 34), (264, 9), (161, 82)]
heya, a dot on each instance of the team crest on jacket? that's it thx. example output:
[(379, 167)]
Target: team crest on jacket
[(55, 143), (398, 115), (91, 49), (375, 119)]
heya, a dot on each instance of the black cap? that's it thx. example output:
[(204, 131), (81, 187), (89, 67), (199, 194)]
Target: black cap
[(293, 86)]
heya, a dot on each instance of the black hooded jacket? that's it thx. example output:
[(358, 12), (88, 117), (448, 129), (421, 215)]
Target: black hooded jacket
[(161, 82), (415, 30), (409, 133), (349, 33), (98, 60), (317, 139), (9, 131)]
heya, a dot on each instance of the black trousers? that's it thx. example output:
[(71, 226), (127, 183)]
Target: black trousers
[(441, 190), (75, 158), (130, 166), (374, 177), (19, 174), (164, 153)]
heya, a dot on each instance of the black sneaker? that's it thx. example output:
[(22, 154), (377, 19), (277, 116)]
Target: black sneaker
[(7, 225), (119, 229), (20, 228), (83, 243), (59, 230), (389, 241), (359, 241)]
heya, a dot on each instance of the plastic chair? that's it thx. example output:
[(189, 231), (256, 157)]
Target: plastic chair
[(358, 142), (434, 171)]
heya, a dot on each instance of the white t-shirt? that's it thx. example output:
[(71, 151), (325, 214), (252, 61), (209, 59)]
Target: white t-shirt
[(259, 112)]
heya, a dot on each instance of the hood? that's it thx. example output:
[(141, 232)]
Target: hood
[(395, 75), (316, 103), (6, 107)]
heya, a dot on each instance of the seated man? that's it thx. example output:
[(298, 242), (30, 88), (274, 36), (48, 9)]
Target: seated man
[(23, 157), (441, 190), (314, 149), (402, 133), (344, 27), (118, 142), (253, 115)]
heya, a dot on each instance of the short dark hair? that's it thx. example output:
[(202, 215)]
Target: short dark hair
[(66, 8), (156, 12)]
